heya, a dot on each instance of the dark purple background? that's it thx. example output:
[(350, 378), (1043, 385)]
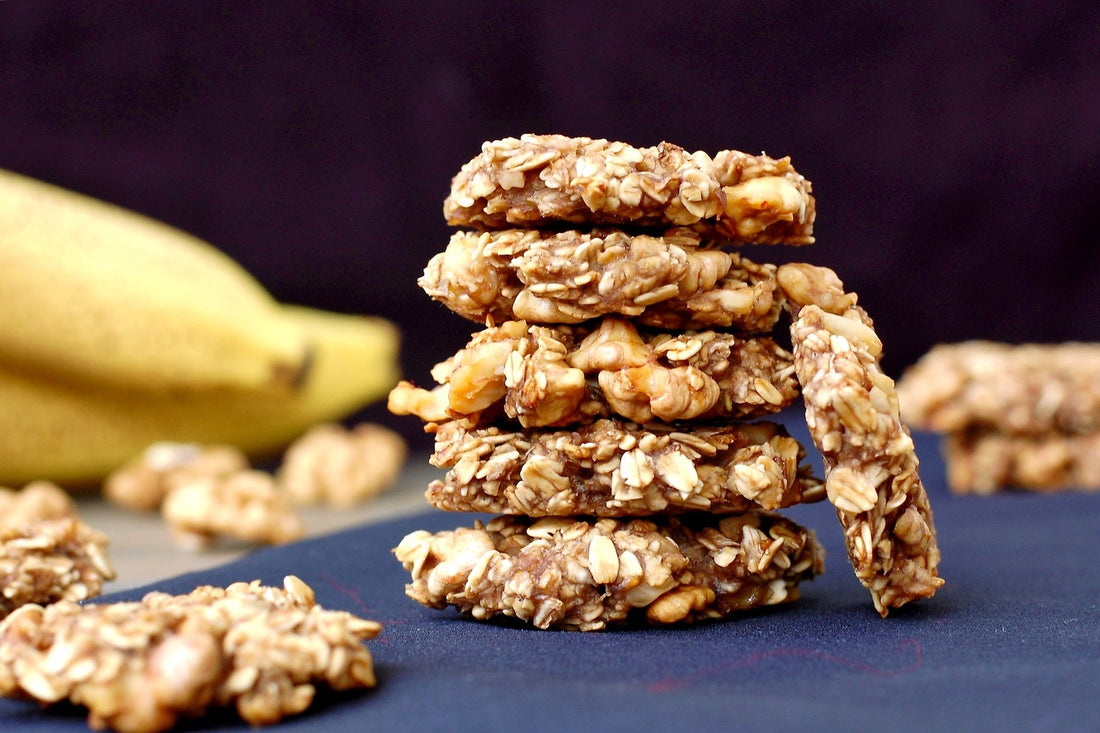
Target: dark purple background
[(954, 147)]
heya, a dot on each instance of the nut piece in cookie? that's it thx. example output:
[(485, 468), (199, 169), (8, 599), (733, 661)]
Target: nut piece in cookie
[(584, 575)]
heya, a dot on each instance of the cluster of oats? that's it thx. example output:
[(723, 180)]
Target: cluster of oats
[(613, 410), (143, 666), (207, 492), (1024, 416), (47, 554)]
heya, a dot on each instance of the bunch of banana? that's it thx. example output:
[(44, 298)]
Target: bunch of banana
[(117, 331)]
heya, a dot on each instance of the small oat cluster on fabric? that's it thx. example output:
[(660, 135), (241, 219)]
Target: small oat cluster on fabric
[(1023, 416), (613, 408), (47, 554)]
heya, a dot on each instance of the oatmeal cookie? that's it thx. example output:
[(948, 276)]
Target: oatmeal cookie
[(246, 505), (142, 666), (985, 461), (36, 501), (43, 561), (1025, 389), (342, 467), (565, 375), (612, 469), (572, 276), (870, 465), (586, 574), (540, 180), (143, 482)]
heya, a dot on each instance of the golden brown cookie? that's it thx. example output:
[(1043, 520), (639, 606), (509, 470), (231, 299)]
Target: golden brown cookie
[(586, 574), (567, 375), (537, 181), (870, 464), (614, 469)]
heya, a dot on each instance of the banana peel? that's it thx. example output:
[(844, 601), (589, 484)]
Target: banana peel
[(76, 435), (91, 292), (118, 331)]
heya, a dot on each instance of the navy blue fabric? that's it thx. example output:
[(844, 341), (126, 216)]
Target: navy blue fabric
[(1011, 642)]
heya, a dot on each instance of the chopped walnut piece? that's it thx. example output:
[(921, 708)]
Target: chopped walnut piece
[(48, 560), (564, 375), (246, 505), (143, 482), (140, 667), (586, 574), (1019, 389), (542, 179), (614, 469), (342, 467), (36, 501), (985, 461), (870, 465), (805, 284), (667, 281)]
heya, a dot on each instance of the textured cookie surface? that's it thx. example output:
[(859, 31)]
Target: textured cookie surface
[(142, 666), (871, 472), (538, 180), (558, 376), (666, 281), (584, 575), (614, 469)]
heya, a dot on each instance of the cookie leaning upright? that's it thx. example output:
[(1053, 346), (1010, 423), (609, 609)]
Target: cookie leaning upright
[(871, 467)]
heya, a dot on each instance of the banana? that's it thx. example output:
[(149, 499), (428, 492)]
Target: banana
[(75, 435), (94, 294)]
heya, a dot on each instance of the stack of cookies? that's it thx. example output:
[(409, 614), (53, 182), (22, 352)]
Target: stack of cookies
[(1025, 416), (613, 410)]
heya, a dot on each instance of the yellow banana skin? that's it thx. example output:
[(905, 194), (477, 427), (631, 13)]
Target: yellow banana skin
[(75, 435), (93, 294)]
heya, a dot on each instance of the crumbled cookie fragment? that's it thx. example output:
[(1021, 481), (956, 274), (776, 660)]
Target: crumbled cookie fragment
[(541, 179), (140, 667), (986, 461), (48, 560), (342, 467), (870, 464), (143, 482), (565, 375), (614, 469), (36, 501), (662, 280), (586, 574), (246, 505), (1025, 389)]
